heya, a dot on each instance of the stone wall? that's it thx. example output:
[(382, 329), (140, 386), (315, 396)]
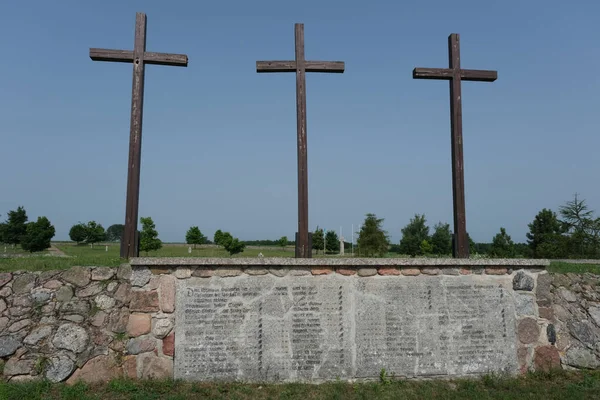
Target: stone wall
[(98, 323), (86, 323), (571, 305)]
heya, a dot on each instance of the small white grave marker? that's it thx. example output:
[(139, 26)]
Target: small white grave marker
[(190, 250), (106, 249)]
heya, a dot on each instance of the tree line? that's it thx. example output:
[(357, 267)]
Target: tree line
[(92, 232), (32, 236), (573, 232)]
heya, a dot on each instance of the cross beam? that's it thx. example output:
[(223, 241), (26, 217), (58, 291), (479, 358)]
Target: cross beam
[(126, 56), (455, 75), (139, 57), (309, 66), (300, 66)]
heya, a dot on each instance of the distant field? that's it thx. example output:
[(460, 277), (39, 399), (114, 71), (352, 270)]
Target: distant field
[(8, 249), (171, 250), (84, 255)]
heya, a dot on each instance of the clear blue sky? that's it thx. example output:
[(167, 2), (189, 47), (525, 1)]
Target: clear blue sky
[(219, 140)]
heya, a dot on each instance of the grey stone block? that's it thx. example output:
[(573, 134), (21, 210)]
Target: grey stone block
[(78, 276), (524, 304), (580, 357), (71, 337), (140, 276), (522, 281), (59, 367), (23, 283), (8, 345)]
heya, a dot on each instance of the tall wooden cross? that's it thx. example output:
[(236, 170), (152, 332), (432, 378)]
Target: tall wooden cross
[(139, 57), (300, 66), (455, 75)]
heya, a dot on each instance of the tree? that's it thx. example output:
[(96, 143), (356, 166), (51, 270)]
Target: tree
[(3, 232), (15, 227), (545, 236), (576, 215), (426, 247), (413, 234), (502, 245), (234, 246), (114, 233), (283, 241), (372, 239), (38, 235), (78, 233), (231, 244), (94, 233), (317, 239), (578, 221), (194, 236), (218, 238), (472, 245), (332, 242), (149, 240), (441, 240)]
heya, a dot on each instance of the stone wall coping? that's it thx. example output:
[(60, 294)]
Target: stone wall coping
[(346, 262)]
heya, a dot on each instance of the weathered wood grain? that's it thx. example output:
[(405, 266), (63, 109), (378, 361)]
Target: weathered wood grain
[(125, 56), (303, 249), (173, 60), (447, 74), (309, 66), (454, 74), (139, 57), (300, 66)]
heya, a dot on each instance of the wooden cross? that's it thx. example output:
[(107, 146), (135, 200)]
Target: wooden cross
[(455, 75), (300, 66), (139, 57)]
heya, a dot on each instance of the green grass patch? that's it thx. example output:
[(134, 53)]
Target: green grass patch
[(10, 250), (169, 250), (562, 267), (546, 386), (46, 263), (109, 255)]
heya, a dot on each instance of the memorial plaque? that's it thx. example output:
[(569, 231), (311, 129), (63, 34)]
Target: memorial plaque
[(263, 328), (315, 328), (429, 326)]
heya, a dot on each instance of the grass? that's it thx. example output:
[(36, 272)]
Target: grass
[(9, 249), (562, 267), (84, 255), (100, 255), (555, 385), (171, 250)]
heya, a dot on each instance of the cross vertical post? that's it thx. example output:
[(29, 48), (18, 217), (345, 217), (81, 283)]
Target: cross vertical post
[(135, 140), (458, 175), (300, 66), (138, 57), (302, 243), (456, 75)]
